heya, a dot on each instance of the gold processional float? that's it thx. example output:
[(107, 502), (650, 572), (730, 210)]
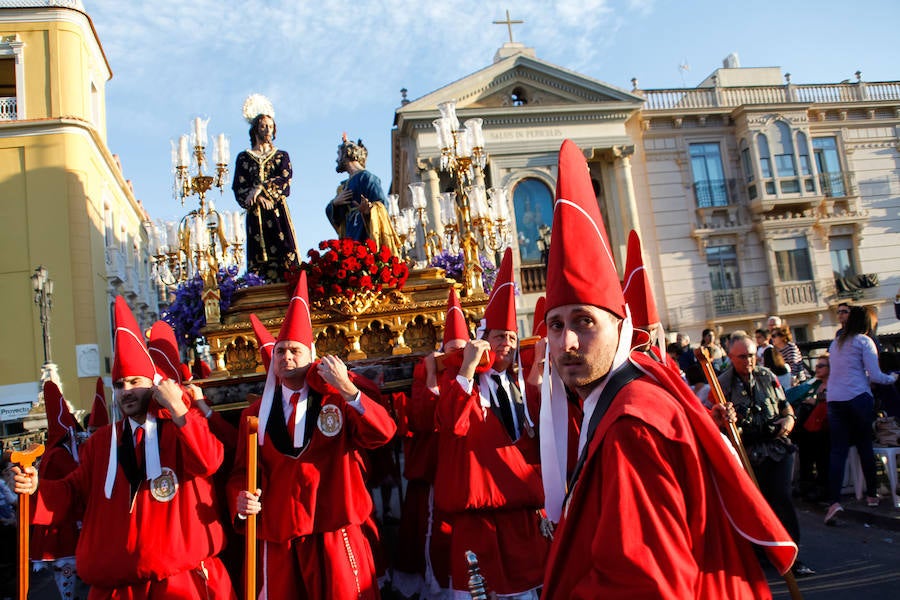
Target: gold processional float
[(379, 334)]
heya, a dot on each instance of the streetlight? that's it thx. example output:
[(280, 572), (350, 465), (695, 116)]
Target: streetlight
[(43, 297)]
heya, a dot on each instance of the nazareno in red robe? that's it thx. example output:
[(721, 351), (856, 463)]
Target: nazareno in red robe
[(321, 492), (492, 492), (662, 508), (139, 545), (50, 542)]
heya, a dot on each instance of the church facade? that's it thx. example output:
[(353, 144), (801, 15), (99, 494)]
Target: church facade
[(753, 196)]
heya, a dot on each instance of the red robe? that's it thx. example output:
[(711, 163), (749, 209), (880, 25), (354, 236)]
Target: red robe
[(493, 492), (649, 515), (424, 534), (314, 502), (148, 549), (50, 542)]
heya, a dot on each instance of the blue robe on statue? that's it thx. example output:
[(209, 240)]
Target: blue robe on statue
[(347, 220)]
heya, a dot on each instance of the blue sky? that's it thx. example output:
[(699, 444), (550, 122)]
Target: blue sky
[(334, 66)]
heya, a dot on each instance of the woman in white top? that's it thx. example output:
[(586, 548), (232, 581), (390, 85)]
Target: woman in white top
[(851, 407)]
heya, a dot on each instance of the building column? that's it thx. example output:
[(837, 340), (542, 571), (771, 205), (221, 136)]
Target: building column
[(625, 185)]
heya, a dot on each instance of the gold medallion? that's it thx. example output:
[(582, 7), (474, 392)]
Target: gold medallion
[(330, 420), (163, 488)]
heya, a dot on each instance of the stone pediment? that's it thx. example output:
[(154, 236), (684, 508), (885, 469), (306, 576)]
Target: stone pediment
[(523, 80)]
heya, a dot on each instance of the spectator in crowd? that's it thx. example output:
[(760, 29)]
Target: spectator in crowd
[(712, 347), (766, 420), (773, 361), (763, 341), (773, 323), (851, 406), (811, 432), (686, 354), (843, 311), (783, 342)]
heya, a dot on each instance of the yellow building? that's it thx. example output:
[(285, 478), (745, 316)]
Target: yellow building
[(64, 204)]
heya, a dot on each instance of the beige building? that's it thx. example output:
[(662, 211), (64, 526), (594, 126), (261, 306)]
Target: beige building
[(65, 205), (754, 196)]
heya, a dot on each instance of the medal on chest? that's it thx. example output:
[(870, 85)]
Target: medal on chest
[(163, 488), (330, 420)]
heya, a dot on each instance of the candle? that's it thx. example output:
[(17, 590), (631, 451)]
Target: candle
[(223, 150), (171, 235), (184, 153)]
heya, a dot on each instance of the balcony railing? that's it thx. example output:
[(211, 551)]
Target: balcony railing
[(838, 185), (727, 303), (729, 97), (8, 109), (713, 192), (533, 278), (801, 294)]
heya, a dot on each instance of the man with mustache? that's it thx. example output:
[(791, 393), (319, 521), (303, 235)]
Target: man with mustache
[(487, 477), (149, 532), (656, 505)]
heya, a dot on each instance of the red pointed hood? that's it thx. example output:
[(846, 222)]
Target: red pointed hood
[(636, 286), (130, 354), (264, 339), (99, 412), (297, 325), (500, 312), (581, 268), (60, 420), (455, 325), (164, 351)]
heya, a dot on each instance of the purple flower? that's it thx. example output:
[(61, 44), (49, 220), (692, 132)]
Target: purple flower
[(186, 314), (452, 264)]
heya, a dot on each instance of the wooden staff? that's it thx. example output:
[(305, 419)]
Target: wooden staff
[(717, 396), (25, 459), (250, 539)]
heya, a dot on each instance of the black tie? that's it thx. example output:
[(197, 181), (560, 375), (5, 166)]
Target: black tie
[(505, 408)]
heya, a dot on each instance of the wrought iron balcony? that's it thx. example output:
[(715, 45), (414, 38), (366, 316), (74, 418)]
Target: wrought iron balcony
[(8, 109), (714, 192), (729, 303), (838, 185)]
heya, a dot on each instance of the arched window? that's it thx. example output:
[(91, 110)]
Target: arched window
[(518, 97), (533, 203)]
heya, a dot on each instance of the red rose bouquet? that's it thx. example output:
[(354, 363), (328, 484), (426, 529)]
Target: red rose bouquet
[(346, 267)]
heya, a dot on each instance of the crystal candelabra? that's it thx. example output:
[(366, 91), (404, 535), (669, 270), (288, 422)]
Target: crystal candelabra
[(204, 240), (472, 221)]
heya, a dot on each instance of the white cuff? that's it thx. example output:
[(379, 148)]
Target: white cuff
[(465, 384), (357, 404)]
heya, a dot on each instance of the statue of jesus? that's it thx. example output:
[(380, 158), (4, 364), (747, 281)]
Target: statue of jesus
[(262, 184)]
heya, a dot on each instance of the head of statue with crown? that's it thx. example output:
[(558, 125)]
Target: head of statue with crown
[(348, 152), (259, 112)]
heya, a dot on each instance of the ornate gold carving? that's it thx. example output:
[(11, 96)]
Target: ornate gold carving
[(376, 340), (333, 342), (421, 335), (241, 355)]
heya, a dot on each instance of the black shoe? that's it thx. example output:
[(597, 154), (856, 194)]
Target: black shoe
[(801, 569)]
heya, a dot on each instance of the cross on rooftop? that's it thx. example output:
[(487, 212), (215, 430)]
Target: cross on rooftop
[(509, 23)]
